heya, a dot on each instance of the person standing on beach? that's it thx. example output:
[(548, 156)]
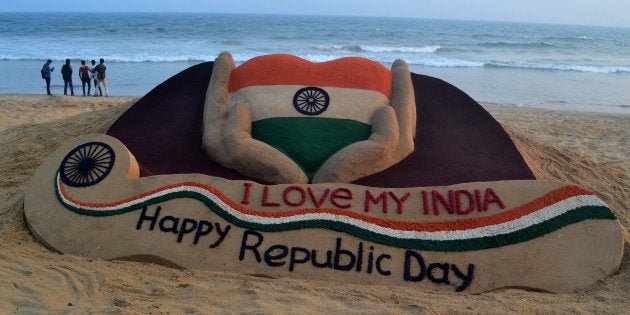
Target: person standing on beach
[(100, 76), (46, 70), (93, 76), (84, 76), (66, 73)]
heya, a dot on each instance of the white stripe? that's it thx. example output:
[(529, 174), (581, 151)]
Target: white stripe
[(272, 101)]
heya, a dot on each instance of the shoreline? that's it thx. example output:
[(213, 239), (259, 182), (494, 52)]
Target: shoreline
[(547, 89), (587, 149)]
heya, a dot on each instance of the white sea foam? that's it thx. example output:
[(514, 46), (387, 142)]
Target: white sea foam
[(442, 62), (378, 49), (401, 49), (558, 67)]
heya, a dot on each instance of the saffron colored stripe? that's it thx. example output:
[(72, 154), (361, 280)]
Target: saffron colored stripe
[(283, 69)]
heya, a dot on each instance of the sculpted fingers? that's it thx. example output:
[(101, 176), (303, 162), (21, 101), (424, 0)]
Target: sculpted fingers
[(216, 107), (255, 158), (363, 158), (403, 102)]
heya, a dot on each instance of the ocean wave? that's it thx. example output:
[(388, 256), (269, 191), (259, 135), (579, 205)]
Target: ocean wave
[(327, 55), (402, 49), (231, 42), (445, 62), (559, 67), (333, 47), (418, 61), (378, 49), (501, 44), (462, 63), (118, 58), (570, 38), (141, 59)]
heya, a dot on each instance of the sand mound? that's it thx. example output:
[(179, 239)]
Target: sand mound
[(34, 279)]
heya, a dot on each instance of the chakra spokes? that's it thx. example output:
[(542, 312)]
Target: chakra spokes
[(87, 164), (311, 100)]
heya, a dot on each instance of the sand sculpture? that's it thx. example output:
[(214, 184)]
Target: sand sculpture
[(421, 189), (362, 122)]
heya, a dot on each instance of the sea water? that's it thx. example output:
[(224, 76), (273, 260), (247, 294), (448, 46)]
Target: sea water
[(536, 65)]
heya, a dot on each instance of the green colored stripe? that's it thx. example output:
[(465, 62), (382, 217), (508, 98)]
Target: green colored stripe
[(309, 141), (529, 233), (570, 217)]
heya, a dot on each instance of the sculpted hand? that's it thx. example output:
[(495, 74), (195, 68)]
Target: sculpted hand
[(227, 135), (393, 131)]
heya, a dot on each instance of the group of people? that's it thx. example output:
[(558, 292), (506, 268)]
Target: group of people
[(86, 74)]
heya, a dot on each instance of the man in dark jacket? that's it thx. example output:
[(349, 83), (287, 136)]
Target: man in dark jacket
[(66, 73)]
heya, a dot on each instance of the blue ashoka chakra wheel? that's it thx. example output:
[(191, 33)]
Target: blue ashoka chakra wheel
[(87, 164), (311, 100)]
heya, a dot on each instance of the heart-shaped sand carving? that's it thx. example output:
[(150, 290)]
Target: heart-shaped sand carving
[(284, 119)]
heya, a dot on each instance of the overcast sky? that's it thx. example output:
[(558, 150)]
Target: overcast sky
[(583, 12)]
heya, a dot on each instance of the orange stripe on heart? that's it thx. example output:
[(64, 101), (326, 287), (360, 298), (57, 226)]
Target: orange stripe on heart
[(284, 69)]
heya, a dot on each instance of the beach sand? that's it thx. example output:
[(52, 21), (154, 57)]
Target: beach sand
[(587, 149)]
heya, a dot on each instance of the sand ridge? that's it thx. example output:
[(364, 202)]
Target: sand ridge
[(587, 149)]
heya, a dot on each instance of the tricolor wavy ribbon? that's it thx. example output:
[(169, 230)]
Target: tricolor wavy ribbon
[(555, 210)]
